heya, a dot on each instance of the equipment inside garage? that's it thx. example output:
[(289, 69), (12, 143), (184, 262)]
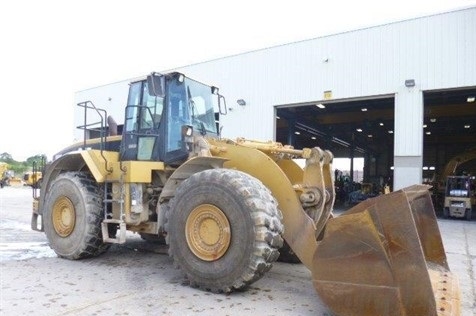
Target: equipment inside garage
[(350, 129), (365, 128), (450, 145)]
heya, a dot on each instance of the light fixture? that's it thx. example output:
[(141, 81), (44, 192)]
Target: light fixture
[(409, 83), (321, 106), (241, 102), (390, 132), (369, 136), (313, 137), (425, 168), (277, 117), (359, 130), (428, 133), (433, 120), (392, 168), (470, 99), (467, 126), (381, 124), (363, 109), (425, 126), (187, 130), (432, 168), (297, 133)]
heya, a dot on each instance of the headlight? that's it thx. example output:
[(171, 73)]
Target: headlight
[(187, 130)]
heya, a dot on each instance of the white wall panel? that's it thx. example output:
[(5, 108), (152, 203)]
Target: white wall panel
[(438, 52), (408, 142), (408, 122)]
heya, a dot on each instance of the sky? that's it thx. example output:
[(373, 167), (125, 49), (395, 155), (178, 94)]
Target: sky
[(51, 49)]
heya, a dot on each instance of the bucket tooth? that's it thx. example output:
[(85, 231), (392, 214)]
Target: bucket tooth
[(385, 257)]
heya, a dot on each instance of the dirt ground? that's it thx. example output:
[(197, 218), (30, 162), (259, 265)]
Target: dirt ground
[(138, 278)]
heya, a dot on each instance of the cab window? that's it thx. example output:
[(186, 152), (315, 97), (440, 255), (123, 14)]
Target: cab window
[(144, 111)]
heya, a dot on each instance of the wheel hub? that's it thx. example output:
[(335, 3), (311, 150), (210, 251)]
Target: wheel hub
[(64, 216), (208, 232)]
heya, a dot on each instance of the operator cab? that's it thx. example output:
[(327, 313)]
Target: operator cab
[(163, 112)]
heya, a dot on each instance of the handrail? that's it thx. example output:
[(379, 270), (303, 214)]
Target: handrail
[(102, 127)]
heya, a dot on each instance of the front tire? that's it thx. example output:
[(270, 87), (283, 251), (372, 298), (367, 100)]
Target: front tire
[(223, 230), (72, 216)]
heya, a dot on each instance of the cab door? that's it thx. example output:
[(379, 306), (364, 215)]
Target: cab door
[(178, 118), (141, 134)]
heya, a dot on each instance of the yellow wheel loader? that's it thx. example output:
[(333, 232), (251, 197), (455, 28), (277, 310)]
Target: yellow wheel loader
[(32, 178), (7, 176), (226, 207), (4, 177)]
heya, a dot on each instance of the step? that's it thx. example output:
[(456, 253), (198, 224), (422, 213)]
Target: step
[(120, 237)]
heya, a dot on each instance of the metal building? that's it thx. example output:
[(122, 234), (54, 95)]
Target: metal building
[(401, 95)]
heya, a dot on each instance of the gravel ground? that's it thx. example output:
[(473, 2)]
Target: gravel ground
[(138, 278)]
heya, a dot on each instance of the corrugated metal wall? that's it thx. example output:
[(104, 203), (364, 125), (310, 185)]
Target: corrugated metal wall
[(438, 52)]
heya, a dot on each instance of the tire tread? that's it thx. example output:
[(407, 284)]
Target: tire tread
[(91, 243), (266, 217)]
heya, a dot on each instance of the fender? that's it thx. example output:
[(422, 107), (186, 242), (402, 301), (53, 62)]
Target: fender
[(67, 162), (300, 229), (97, 162)]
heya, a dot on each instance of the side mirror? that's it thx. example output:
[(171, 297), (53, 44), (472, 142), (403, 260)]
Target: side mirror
[(155, 83), (222, 104)]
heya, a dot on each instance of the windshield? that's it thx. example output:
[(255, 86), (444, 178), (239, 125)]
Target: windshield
[(144, 110), (458, 186), (202, 105), (189, 103)]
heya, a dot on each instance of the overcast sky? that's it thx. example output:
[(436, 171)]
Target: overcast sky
[(52, 48)]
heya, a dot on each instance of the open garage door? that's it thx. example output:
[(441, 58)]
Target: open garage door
[(364, 128), (449, 126), (353, 128), (449, 138)]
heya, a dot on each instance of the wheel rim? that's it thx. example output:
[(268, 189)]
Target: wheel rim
[(208, 232), (64, 216)]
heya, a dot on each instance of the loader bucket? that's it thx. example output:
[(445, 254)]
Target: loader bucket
[(385, 256)]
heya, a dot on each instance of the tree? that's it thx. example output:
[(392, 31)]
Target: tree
[(39, 159), (6, 157), (21, 167)]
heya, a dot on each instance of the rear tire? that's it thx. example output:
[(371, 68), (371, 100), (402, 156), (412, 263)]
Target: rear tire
[(223, 230), (72, 216)]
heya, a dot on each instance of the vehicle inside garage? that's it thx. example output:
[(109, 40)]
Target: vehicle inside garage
[(450, 129), (364, 128)]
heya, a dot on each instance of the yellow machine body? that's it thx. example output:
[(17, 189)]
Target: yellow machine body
[(384, 256)]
